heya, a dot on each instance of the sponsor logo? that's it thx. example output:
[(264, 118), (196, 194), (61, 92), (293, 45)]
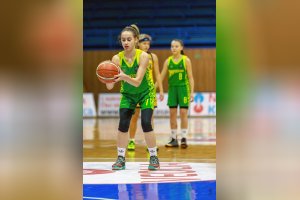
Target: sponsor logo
[(199, 99)]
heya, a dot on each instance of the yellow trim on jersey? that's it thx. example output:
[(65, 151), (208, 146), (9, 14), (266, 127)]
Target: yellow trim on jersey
[(179, 60), (137, 55), (184, 61), (169, 60)]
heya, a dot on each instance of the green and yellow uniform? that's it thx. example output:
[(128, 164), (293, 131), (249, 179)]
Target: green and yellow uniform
[(179, 86), (150, 67), (131, 95)]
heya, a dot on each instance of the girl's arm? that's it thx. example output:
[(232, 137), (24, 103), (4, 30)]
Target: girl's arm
[(115, 59), (191, 78), (164, 70), (144, 61), (158, 77)]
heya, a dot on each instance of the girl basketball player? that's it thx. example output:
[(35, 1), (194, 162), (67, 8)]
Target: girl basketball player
[(180, 92), (144, 44), (136, 88)]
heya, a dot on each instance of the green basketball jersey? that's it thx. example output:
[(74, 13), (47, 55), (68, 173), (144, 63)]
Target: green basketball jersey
[(131, 70), (177, 72)]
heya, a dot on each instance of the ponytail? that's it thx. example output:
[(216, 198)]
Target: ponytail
[(136, 29)]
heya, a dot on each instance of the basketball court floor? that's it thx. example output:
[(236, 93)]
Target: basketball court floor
[(184, 173)]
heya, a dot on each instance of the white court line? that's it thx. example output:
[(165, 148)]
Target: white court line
[(97, 198), (146, 160)]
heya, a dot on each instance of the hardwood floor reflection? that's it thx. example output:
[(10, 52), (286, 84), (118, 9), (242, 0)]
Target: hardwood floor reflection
[(99, 141)]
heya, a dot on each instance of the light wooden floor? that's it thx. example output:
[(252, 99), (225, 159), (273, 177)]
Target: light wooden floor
[(99, 141)]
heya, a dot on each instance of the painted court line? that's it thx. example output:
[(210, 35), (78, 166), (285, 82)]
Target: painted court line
[(97, 198), (161, 159)]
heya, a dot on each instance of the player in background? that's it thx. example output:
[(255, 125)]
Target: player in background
[(180, 91), (144, 44)]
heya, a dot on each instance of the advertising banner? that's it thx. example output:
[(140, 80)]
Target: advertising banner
[(89, 108), (204, 104)]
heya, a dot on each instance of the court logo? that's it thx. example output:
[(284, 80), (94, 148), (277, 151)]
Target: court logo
[(199, 99), (137, 172), (169, 172)]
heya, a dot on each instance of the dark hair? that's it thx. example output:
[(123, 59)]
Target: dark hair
[(181, 43), (132, 28)]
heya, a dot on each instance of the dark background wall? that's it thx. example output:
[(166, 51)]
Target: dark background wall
[(193, 21)]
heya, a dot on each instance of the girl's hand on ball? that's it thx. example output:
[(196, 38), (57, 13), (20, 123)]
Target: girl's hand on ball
[(121, 76)]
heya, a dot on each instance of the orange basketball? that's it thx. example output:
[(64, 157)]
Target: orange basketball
[(106, 71)]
